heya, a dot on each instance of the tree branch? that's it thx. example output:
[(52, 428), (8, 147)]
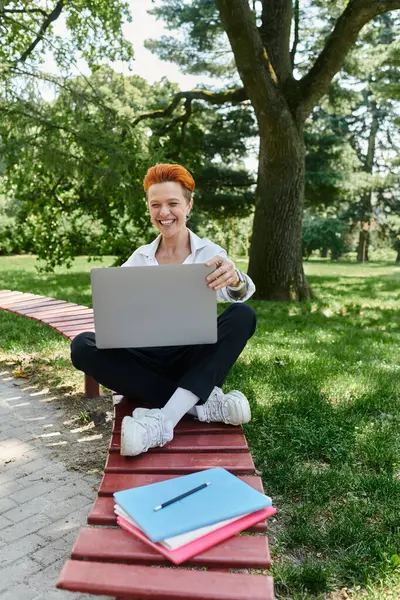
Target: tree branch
[(316, 82), (232, 96), (252, 61), (61, 83), (50, 18), (184, 120), (41, 119), (186, 117), (24, 11), (276, 20), (296, 32)]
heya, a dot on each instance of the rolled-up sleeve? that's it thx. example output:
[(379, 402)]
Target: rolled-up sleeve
[(224, 296)]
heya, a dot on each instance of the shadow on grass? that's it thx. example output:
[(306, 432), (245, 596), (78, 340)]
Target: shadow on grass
[(368, 287), (332, 470), (325, 435), (323, 379)]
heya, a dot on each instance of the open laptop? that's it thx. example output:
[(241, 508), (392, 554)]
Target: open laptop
[(165, 305)]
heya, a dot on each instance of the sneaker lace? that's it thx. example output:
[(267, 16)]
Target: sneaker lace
[(155, 429), (214, 407)]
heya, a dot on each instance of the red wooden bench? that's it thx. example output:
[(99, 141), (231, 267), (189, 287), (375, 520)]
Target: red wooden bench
[(109, 561), (65, 317)]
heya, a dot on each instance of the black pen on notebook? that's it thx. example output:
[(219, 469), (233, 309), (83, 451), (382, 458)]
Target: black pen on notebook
[(189, 493)]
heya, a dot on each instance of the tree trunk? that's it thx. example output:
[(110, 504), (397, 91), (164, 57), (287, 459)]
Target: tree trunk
[(276, 248), (281, 104), (398, 255), (363, 244), (366, 200)]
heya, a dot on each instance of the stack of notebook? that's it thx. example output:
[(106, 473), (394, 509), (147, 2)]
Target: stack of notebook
[(196, 522)]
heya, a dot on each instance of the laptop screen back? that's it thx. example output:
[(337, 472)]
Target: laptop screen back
[(165, 305)]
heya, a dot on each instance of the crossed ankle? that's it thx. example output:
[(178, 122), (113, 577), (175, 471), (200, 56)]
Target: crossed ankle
[(147, 428)]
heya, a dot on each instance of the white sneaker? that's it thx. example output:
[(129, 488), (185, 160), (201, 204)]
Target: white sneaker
[(117, 398), (232, 408), (147, 428)]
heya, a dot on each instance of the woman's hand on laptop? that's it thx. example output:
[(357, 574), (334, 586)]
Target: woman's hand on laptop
[(225, 273)]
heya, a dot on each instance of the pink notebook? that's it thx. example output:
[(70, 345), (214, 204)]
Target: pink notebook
[(204, 543)]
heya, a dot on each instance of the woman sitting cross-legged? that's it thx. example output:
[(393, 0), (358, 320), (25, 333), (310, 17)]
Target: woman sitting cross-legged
[(176, 380)]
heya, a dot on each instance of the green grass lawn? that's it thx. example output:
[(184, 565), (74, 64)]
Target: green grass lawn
[(323, 379)]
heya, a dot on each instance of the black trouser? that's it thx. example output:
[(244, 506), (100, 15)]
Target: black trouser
[(152, 375)]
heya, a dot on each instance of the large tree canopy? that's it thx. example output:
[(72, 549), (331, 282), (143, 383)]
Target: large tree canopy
[(78, 161), (74, 166), (264, 39)]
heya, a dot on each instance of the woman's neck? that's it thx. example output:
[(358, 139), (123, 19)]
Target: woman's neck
[(171, 246)]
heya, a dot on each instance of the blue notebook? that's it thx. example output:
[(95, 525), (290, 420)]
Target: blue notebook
[(227, 497)]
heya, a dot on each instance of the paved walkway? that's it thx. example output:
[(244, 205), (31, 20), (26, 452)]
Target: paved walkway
[(42, 504)]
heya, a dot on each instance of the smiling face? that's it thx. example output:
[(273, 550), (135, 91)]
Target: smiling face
[(168, 207)]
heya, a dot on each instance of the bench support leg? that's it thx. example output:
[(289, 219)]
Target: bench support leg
[(92, 388)]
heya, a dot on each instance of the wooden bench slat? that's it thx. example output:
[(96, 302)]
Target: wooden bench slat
[(54, 307), (49, 323), (56, 311), (115, 482), (87, 326), (25, 308), (115, 545), (77, 313), (102, 513), (196, 442), (188, 424), (180, 463), (187, 427), (26, 299), (74, 325), (29, 308), (126, 406), (30, 311), (138, 582), (72, 319), (80, 322), (7, 293)]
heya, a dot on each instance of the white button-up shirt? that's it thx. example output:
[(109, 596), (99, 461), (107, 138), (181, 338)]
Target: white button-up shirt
[(202, 251)]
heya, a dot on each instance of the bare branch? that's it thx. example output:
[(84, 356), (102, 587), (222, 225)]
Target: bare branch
[(24, 11), (316, 82), (50, 18), (232, 96), (296, 32)]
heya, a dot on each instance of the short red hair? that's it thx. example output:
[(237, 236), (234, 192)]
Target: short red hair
[(161, 173)]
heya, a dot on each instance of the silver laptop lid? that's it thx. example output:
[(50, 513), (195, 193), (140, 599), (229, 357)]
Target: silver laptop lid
[(165, 305)]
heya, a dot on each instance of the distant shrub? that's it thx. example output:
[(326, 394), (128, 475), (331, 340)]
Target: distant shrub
[(326, 235)]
